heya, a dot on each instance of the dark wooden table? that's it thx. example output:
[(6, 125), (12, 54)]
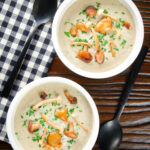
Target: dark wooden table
[(136, 116)]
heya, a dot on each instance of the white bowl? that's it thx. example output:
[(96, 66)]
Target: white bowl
[(118, 69), (39, 83)]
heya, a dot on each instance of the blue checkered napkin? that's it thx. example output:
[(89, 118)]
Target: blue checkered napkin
[(16, 22)]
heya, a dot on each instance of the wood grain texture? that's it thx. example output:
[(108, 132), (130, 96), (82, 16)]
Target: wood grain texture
[(136, 116)]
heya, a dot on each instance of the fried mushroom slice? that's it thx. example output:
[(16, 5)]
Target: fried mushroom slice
[(62, 114), (97, 45), (41, 142), (84, 55), (80, 124), (127, 25), (49, 147), (111, 48), (70, 133), (54, 139), (71, 99), (91, 11), (100, 57), (57, 100), (74, 31), (33, 126), (80, 43), (82, 27), (60, 128), (104, 25)]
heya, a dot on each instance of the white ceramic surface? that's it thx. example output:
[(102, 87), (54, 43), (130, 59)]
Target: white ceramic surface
[(123, 66), (40, 82)]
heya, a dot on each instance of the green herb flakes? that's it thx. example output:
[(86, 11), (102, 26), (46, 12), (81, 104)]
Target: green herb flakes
[(123, 43), (112, 36), (24, 123), (67, 34), (21, 117), (105, 11), (54, 104), (37, 137), (71, 141), (116, 49), (42, 122), (68, 147), (98, 5), (71, 110), (123, 13), (69, 23), (81, 40), (105, 42), (16, 133), (49, 95), (80, 110), (83, 12)]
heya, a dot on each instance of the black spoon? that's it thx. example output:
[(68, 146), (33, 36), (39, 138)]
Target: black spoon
[(43, 12), (110, 135)]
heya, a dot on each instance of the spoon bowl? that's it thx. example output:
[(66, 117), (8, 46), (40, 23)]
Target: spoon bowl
[(111, 134)]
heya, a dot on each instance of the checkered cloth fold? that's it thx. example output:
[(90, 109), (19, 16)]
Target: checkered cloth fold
[(16, 22)]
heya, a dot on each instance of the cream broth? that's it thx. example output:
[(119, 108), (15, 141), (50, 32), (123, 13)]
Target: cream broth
[(24, 113), (123, 43)]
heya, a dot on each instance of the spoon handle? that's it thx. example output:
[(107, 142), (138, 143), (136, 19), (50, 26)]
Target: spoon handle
[(130, 81), (8, 85)]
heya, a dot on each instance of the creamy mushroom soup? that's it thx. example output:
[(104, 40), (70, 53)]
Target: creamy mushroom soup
[(55, 116), (97, 36)]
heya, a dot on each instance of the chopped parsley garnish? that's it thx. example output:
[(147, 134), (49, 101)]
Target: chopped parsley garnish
[(68, 147), (94, 17), (120, 20), (24, 123), (21, 116), (44, 105), (105, 42), (30, 112), (42, 122), (49, 95), (36, 119), (71, 141), (71, 110), (68, 113), (81, 40), (91, 37), (80, 110), (37, 137), (105, 11), (116, 49), (83, 32), (112, 36), (16, 133), (131, 45), (98, 5), (123, 43), (118, 25), (68, 23), (67, 34), (46, 112), (123, 13), (54, 104), (83, 12)]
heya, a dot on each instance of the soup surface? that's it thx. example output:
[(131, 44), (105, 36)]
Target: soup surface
[(97, 36), (60, 111)]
